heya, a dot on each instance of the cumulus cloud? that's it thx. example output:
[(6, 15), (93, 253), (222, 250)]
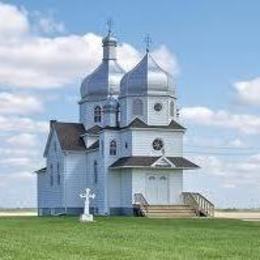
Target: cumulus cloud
[(49, 62), (232, 172), (13, 23), (245, 123), (248, 91), (23, 140), (22, 124), (19, 104)]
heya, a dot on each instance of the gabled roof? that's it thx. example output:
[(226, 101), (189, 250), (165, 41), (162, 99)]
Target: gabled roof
[(94, 130), (138, 123), (69, 135), (148, 161), (42, 170)]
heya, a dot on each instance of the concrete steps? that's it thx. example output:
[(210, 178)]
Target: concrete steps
[(170, 211)]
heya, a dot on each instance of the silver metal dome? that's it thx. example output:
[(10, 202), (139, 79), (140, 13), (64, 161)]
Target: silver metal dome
[(147, 77), (105, 79)]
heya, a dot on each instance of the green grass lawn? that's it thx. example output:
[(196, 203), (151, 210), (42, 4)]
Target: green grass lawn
[(128, 238)]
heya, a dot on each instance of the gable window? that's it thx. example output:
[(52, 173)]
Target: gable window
[(58, 174), (51, 175), (172, 109), (95, 172), (97, 114), (112, 148), (137, 107)]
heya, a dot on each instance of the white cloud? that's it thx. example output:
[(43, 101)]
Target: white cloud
[(23, 140), (245, 170), (19, 104), (249, 91), (42, 62), (245, 123), (23, 124), (13, 22)]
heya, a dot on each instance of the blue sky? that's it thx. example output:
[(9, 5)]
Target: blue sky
[(211, 47)]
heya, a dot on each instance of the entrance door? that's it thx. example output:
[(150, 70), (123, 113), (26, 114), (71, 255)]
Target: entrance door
[(157, 186)]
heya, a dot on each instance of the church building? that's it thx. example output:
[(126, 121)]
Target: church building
[(127, 146)]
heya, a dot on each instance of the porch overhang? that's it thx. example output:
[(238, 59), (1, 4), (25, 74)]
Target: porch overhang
[(154, 163)]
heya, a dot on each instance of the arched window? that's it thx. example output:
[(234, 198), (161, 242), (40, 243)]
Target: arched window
[(112, 148), (97, 114), (137, 107), (51, 174), (58, 174), (95, 172), (172, 109)]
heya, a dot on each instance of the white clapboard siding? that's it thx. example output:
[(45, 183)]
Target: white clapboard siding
[(175, 183), (87, 113), (51, 196), (149, 116), (74, 178), (142, 143)]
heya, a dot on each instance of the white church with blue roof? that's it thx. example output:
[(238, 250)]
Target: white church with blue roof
[(127, 147)]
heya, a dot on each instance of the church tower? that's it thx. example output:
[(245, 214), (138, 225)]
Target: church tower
[(147, 92), (102, 83)]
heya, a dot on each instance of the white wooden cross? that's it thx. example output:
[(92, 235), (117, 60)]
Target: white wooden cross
[(87, 195)]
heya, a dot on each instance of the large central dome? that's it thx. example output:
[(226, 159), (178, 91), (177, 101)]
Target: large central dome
[(105, 80), (147, 77)]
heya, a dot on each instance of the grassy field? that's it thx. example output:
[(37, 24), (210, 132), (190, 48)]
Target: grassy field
[(128, 238)]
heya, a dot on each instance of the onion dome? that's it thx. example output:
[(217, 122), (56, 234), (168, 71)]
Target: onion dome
[(105, 79), (147, 77), (111, 105)]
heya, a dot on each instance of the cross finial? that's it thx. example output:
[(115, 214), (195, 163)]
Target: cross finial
[(109, 24), (148, 42)]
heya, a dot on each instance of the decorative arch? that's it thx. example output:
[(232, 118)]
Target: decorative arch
[(172, 108), (97, 114), (112, 147), (138, 107)]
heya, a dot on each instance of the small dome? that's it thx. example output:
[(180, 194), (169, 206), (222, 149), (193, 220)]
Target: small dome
[(147, 77), (104, 81), (111, 104)]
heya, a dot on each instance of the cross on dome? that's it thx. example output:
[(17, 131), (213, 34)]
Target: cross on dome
[(148, 42)]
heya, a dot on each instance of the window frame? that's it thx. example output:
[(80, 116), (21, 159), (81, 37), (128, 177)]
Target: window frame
[(113, 147), (97, 114)]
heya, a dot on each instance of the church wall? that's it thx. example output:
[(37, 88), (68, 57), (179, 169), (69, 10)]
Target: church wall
[(50, 197), (87, 113), (97, 187), (162, 117), (75, 179), (175, 183), (126, 105), (142, 142)]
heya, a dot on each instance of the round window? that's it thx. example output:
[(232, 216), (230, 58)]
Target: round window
[(157, 144), (158, 107)]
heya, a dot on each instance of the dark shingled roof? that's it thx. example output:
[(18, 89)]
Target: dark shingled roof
[(138, 123), (147, 161), (69, 135), (94, 130), (41, 170)]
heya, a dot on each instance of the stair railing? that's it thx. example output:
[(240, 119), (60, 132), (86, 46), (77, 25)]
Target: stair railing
[(140, 204), (201, 204)]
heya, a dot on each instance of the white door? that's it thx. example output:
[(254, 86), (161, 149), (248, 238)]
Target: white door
[(157, 186)]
